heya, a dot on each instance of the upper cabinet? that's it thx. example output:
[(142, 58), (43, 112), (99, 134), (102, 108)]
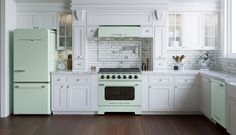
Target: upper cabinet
[(210, 31), (64, 31), (193, 31), (175, 30), (37, 20)]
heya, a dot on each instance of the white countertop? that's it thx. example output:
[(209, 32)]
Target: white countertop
[(171, 72), (226, 77)]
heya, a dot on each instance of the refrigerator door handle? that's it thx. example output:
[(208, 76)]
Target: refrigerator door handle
[(19, 71), (40, 87)]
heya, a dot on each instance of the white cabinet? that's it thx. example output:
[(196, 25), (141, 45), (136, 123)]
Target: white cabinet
[(161, 98), (79, 48), (39, 20), (158, 93), (187, 93), (59, 98), (78, 98), (194, 31), (186, 98), (79, 42), (71, 93), (205, 96), (210, 28), (231, 109), (160, 43)]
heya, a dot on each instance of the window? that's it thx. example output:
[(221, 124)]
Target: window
[(231, 28)]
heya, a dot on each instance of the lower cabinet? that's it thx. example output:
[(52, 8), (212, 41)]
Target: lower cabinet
[(186, 98), (71, 93), (78, 98), (59, 98), (231, 109), (161, 98), (170, 93), (205, 96)]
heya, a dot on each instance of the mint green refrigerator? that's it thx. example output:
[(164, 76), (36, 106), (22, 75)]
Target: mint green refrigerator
[(33, 60)]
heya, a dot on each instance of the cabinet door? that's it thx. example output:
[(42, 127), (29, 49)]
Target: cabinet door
[(47, 21), (161, 98), (160, 42), (191, 30), (25, 20), (59, 98), (78, 98), (205, 94), (218, 102), (186, 98), (79, 42), (231, 110), (210, 31)]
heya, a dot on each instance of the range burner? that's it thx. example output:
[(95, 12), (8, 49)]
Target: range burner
[(119, 70)]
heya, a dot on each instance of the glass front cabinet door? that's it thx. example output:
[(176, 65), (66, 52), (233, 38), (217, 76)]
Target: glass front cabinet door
[(65, 32)]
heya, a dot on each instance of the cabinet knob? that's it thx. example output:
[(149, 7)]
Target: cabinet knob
[(61, 86), (78, 56), (160, 80), (186, 80), (58, 79), (77, 80), (68, 87)]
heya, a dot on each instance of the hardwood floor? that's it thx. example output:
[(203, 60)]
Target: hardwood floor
[(110, 124)]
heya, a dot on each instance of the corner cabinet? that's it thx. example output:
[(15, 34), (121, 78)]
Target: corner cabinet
[(79, 48), (71, 93)]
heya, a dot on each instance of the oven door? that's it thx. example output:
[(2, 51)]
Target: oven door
[(119, 93)]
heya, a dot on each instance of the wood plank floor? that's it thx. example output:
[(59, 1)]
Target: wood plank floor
[(110, 124)]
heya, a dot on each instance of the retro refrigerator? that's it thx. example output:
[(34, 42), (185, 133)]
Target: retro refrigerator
[(33, 60)]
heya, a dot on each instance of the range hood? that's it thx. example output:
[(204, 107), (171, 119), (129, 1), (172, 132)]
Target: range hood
[(119, 31)]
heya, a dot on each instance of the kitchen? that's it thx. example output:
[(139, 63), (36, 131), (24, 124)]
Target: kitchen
[(160, 60)]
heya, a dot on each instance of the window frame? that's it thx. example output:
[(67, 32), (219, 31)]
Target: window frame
[(228, 14)]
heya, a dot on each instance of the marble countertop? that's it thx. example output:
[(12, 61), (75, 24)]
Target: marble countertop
[(226, 77)]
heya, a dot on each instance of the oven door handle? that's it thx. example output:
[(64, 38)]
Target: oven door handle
[(101, 84)]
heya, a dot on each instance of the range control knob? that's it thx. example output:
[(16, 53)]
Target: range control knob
[(102, 76), (119, 77), (124, 77), (136, 77), (113, 77), (108, 77), (130, 77)]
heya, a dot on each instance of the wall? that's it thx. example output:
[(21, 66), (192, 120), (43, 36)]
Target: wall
[(9, 24)]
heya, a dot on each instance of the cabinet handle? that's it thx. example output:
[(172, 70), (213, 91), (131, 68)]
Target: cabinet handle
[(176, 87), (160, 80), (42, 86), (61, 86), (77, 80), (186, 80), (150, 87), (68, 87), (16, 86), (76, 15), (58, 79), (101, 84), (78, 56)]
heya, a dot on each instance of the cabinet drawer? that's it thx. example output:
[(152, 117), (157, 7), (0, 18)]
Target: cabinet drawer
[(74, 80), (147, 32), (59, 80), (79, 64), (162, 80), (194, 80)]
